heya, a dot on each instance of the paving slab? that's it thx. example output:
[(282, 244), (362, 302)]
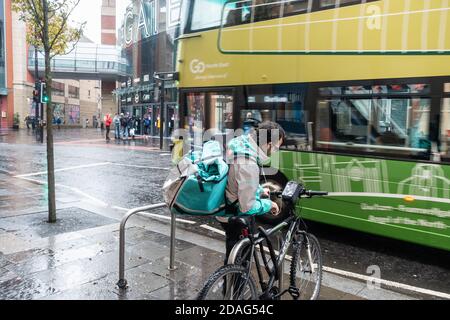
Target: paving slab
[(69, 220)]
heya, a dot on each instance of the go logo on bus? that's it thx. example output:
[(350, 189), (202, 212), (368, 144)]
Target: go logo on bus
[(197, 66)]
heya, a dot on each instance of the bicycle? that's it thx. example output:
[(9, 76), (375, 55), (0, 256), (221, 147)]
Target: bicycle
[(234, 281)]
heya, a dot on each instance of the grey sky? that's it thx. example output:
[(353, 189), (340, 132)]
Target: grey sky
[(89, 11)]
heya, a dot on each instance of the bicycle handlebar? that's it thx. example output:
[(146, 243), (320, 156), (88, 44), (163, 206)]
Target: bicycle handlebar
[(308, 193), (276, 193), (311, 193)]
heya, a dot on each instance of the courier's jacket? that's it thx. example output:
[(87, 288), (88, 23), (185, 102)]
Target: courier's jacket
[(244, 158)]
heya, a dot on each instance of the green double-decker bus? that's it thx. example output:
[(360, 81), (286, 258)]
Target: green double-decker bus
[(362, 89)]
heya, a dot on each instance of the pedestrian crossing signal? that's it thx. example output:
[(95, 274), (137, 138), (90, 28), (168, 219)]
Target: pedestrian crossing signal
[(44, 96), (36, 96)]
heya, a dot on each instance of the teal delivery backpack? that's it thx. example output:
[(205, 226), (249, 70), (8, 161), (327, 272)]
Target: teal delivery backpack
[(196, 185)]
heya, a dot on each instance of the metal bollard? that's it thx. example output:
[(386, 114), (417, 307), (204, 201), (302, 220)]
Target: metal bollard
[(122, 283), (173, 222)]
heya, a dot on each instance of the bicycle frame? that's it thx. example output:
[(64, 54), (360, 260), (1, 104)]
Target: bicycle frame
[(292, 223)]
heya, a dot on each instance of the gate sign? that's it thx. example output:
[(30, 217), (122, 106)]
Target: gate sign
[(139, 22)]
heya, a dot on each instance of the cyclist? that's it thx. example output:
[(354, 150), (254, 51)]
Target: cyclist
[(243, 191)]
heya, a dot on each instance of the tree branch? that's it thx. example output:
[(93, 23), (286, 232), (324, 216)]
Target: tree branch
[(57, 6), (64, 17), (35, 13), (74, 43)]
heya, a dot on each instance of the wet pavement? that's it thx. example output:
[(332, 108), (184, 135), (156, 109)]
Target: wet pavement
[(77, 257)]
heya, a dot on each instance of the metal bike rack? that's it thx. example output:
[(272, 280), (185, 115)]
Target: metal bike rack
[(122, 283)]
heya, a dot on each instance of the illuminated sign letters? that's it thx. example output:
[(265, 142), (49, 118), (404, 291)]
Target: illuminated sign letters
[(140, 21)]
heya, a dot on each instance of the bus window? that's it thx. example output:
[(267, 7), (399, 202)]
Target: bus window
[(237, 12), (267, 9), (297, 6), (206, 14), (283, 103), (397, 125), (336, 3), (292, 117), (445, 129)]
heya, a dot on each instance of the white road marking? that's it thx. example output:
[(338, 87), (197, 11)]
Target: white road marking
[(138, 166), (76, 190), (63, 169), (205, 226), (33, 180), (89, 166), (360, 276), (388, 283)]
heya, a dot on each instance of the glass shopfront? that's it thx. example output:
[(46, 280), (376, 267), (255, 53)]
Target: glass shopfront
[(147, 37)]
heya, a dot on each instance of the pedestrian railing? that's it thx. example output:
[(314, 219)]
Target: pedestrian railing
[(122, 283), (142, 211)]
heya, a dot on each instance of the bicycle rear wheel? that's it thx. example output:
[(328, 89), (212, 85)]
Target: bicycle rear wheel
[(230, 282), (306, 272)]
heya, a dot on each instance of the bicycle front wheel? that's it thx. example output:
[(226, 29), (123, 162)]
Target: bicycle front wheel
[(230, 282), (306, 267)]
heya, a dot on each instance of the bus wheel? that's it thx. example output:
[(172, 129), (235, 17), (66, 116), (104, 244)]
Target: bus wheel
[(275, 183)]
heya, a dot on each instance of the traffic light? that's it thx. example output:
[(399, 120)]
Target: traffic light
[(36, 96), (44, 96)]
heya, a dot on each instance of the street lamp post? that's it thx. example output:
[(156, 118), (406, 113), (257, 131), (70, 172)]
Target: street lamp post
[(163, 113)]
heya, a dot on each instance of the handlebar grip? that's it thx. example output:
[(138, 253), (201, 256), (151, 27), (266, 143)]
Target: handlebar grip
[(272, 194), (311, 193)]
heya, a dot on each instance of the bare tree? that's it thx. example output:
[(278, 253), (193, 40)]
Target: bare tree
[(49, 30)]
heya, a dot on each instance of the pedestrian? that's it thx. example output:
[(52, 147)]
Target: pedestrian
[(146, 125), (108, 122), (27, 121), (124, 126), (116, 121), (132, 126), (245, 159)]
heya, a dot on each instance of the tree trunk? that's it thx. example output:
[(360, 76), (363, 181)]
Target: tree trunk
[(50, 157)]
